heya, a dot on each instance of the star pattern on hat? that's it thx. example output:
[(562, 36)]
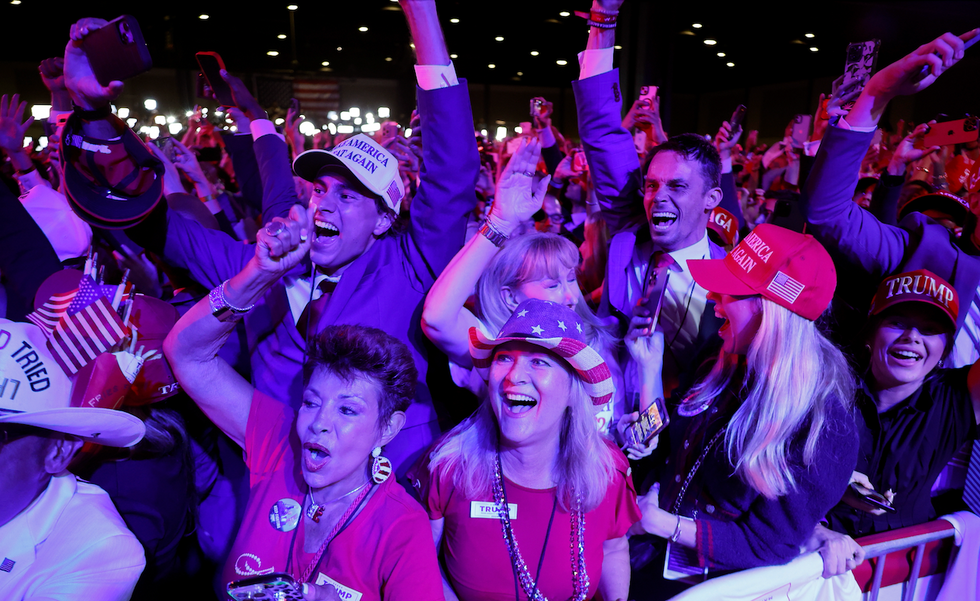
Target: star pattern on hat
[(523, 313), (578, 327), (561, 324), (537, 330)]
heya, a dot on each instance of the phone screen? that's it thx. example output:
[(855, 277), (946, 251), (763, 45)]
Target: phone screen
[(211, 66)]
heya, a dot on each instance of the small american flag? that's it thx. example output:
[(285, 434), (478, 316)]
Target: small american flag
[(785, 287), (88, 328), (47, 315), (7, 565)]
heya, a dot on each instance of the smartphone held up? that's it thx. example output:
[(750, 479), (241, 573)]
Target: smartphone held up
[(117, 50)]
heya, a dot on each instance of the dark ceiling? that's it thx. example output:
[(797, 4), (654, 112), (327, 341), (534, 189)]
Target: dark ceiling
[(765, 41)]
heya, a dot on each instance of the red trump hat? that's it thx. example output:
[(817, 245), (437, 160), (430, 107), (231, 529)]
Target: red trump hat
[(791, 269), (921, 286)]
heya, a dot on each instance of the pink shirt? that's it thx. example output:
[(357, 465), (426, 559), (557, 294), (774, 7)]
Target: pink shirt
[(386, 552), (476, 556)]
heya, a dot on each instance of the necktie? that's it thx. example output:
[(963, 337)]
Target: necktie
[(310, 318)]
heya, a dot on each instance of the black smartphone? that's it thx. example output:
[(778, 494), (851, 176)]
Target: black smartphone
[(117, 50), (736, 122), (859, 66), (959, 131), (872, 497), (277, 586), (651, 422), (166, 144), (211, 66)]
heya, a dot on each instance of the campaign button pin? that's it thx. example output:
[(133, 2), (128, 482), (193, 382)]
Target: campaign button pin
[(284, 515)]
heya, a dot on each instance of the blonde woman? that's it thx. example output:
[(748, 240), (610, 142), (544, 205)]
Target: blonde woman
[(764, 445)]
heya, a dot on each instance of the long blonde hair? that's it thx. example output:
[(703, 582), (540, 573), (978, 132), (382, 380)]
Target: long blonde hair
[(527, 258), (793, 374), (585, 465)]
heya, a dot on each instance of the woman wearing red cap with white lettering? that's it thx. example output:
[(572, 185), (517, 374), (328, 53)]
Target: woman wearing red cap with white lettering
[(913, 415), (764, 445), (525, 498)]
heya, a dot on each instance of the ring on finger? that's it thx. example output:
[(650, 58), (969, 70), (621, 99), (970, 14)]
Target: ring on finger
[(527, 173), (275, 228)]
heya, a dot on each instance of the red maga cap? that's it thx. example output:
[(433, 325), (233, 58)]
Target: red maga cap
[(724, 224), (921, 286), (792, 270)]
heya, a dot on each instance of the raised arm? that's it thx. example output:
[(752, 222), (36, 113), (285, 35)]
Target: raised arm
[(193, 344), (444, 319), (450, 161), (613, 162)]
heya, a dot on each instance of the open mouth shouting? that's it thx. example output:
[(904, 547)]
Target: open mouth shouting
[(518, 404), (324, 230), (314, 456), (662, 220)]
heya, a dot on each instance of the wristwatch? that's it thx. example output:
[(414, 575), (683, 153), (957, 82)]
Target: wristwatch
[(221, 308)]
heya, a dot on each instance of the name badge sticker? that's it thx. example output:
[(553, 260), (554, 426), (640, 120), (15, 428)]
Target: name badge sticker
[(346, 593), (488, 510)]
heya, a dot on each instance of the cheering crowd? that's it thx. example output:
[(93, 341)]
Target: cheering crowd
[(434, 367)]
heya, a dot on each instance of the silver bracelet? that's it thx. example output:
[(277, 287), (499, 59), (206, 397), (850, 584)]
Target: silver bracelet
[(224, 300)]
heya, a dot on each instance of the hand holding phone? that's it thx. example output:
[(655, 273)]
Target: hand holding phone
[(277, 586), (648, 96), (651, 422), (876, 500), (211, 67), (736, 122), (116, 51)]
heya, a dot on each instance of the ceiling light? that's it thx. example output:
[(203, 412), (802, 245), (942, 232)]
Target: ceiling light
[(534, 53), (15, 1), (813, 49), (362, 29), (292, 7), (618, 47), (696, 25), (281, 36), (339, 48), (710, 42), (387, 59), (808, 35), (721, 55), (202, 17), (454, 20), (499, 38), (520, 73), (730, 64), (453, 56), (272, 53), (561, 62), (491, 66), (564, 13), (325, 63)]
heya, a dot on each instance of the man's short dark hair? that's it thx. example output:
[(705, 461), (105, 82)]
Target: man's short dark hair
[(350, 352), (693, 148)]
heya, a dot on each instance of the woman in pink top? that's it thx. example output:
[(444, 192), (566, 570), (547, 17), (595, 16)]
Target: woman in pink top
[(526, 499), (320, 507)]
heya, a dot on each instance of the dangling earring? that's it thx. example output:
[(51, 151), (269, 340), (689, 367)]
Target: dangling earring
[(380, 467)]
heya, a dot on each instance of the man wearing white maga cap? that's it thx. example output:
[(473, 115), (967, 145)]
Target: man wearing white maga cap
[(60, 538)]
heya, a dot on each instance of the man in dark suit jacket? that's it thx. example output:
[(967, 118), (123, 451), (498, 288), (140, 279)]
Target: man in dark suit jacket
[(666, 210)]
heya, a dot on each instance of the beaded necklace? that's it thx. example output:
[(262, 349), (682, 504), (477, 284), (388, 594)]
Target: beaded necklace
[(580, 577)]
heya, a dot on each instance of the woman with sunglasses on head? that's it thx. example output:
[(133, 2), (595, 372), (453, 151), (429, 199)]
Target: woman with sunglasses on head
[(764, 444), (525, 498)]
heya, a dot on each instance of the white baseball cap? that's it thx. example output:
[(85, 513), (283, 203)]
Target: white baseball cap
[(366, 160), (36, 392)]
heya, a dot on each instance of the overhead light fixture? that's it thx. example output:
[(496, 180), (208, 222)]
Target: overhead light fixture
[(696, 25), (292, 7), (491, 66), (561, 62), (534, 53), (15, 1), (204, 17), (453, 56), (813, 49), (730, 64), (387, 59), (273, 53), (339, 48), (808, 35), (721, 55), (325, 63), (279, 121), (499, 38), (618, 47), (520, 73), (362, 29), (281, 36), (564, 13), (710, 42), (454, 20)]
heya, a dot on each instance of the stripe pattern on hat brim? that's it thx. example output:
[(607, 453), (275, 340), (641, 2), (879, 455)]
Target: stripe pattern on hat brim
[(586, 362)]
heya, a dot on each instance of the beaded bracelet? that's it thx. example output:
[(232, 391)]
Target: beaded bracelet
[(599, 19), (224, 300)]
